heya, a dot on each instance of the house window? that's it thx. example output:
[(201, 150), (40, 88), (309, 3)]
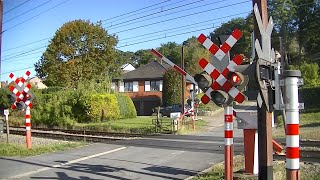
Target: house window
[(128, 86), (154, 85)]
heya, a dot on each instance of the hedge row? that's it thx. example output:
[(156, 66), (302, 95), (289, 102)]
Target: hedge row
[(65, 108), (310, 97)]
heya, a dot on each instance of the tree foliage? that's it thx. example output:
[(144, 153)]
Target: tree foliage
[(79, 51), (171, 93), (245, 25)]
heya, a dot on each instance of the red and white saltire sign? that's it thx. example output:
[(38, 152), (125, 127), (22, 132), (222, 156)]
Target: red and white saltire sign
[(177, 68), (20, 95), (20, 81), (220, 78), (219, 53)]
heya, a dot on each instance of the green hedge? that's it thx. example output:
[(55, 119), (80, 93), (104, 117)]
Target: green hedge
[(126, 106), (310, 97), (103, 107)]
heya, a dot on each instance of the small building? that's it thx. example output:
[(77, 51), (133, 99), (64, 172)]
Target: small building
[(143, 85), (37, 83), (127, 68)]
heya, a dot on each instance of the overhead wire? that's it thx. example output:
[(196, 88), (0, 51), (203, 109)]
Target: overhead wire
[(15, 70), (16, 7), (35, 16), (179, 17), (151, 14), (144, 11), (23, 45), (169, 14), (135, 10), (157, 32), (24, 53), (27, 11)]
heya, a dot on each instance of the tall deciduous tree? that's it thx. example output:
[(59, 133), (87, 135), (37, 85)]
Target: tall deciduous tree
[(79, 51)]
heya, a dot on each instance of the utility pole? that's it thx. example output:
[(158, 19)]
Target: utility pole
[(1, 14), (265, 149), (182, 77)]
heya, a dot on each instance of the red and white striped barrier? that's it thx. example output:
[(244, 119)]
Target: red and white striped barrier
[(177, 68), (228, 142), (226, 46)]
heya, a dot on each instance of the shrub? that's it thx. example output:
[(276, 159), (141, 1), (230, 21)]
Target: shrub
[(310, 97), (103, 107), (126, 106), (171, 88), (309, 72)]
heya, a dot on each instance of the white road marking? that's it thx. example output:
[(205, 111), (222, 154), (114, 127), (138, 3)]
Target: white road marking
[(63, 164)]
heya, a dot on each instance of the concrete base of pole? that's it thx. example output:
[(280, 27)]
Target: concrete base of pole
[(293, 174), (228, 174), (28, 139)]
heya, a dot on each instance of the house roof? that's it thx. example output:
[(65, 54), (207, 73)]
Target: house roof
[(152, 70)]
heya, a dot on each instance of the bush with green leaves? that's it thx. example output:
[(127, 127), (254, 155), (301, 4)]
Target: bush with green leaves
[(4, 99), (171, 93), (126, 106), (309, 72), (103, 107)]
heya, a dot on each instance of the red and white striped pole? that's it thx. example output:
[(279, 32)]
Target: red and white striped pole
[(292, 106), (28, 127), (228, 142)]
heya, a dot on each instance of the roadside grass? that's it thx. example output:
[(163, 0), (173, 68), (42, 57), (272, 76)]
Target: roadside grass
[(310, 171), (11, 149), (309, 125), (139, 125)]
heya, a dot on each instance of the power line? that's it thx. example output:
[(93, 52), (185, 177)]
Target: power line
[(15, 70), (23, 45), (26, 50), (35, 15), (25, 53), (196, 13), (124, 22), (192, 8), (135, 11), (16, 7), (166, 37), (179, 27), (27, 11), (145, 11)]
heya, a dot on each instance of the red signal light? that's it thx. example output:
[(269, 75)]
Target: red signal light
[(235, 78)]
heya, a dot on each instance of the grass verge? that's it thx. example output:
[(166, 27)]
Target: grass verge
[(310, 171), (139, 125), (309, 126), (20, 150)]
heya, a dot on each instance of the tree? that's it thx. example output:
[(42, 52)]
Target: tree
[(78, 52), (171, 88), (142, 57), (245, 25), (4, 98)]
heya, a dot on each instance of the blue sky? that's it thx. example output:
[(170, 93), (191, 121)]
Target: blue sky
[(26, 35)]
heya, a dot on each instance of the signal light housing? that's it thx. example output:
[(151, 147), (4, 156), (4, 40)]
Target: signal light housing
[(204, 80), (220, 97)]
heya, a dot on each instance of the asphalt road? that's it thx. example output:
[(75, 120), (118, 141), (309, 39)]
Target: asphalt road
[(159, 157)]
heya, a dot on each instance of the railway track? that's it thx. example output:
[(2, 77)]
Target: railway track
[(75, 135), (81, 132), (310, 150)]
